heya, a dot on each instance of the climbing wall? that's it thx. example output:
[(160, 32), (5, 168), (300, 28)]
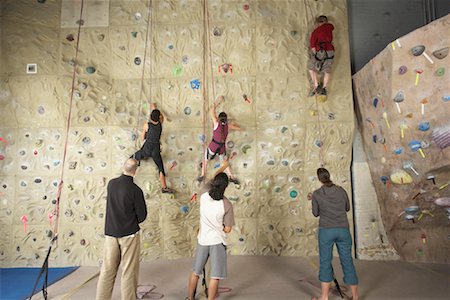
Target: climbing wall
[(130, 56), (403, 99)]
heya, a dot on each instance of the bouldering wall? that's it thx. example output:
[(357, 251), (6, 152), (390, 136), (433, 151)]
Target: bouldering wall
[(130, 56), (403, 103)]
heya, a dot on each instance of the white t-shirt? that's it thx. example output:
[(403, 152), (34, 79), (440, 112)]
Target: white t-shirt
[(214, 215)]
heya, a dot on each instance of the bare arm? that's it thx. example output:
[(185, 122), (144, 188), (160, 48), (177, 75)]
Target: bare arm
[(234, 127), (144, 131), (212, 111)]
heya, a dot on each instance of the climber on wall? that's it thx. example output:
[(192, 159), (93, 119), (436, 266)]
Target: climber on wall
[(151, 134), (321, 54), (218, 144)]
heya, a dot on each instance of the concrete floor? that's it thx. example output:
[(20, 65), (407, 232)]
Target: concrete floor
[(274, 278)]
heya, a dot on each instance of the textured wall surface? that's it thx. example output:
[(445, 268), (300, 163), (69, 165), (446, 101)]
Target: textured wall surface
[(408, 142), (275, 155)]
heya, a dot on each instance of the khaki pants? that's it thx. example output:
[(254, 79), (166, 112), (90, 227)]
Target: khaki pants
[(125, 252)]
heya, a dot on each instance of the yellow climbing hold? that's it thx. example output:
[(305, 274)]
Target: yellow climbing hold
[(401, 177)]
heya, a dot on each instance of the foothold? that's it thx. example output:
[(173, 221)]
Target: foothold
[(294, 33), (284, 129), (41, 110), (277, 116), (70, 37), (246, 7), (101, 37), (195, 84), (446, 98), (375, 102), (402, 70), (246, 98), (424, 126), (37, 180), (83, 85), (90, 70), (285, 163), (184, 209), (270, 227), (134, 34), (86, 140), (83, 242), (441, 53), (230, 144), (86, 119), (277, 189), (270, 162), (187, 110), (217, 31), (293, 194), (185, 59), (72, 165), (137, 61), (331, 116), (398, 150), (137, 16), (384, 179), (318, 143), (241, 239), (245, 148), (225, 68), (440, 72), (31, 69), (177, 70), (401, 177), (170, 46), (418, 50)]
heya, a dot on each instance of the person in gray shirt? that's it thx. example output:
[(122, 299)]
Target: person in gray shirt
[(330, 203)]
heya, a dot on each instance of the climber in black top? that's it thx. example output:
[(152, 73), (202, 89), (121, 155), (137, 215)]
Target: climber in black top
[(151, 133)]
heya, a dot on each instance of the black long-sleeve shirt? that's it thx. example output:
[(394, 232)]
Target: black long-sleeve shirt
[(125, 207), (331, 204)]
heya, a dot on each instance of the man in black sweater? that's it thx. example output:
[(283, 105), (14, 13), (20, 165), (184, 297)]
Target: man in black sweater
[(125, 209)]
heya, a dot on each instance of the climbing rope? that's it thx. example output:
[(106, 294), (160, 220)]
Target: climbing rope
[(55, 213), (147, 103), (309, 18)]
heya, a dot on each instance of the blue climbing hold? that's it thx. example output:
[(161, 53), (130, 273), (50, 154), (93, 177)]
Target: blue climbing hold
[(384, 179), (424, 126), (184, 209), (398, 150), (446, 98), (375, 102), (195, 84)]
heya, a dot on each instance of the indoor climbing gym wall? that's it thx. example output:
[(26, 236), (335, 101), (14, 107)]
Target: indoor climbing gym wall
[(403, 103), (76, 88)]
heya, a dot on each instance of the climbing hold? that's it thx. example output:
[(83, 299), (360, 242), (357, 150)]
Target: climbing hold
[(217, 31), (90, 70), (399, 97), (101, 37), (230, 144), (285, 163), (277, 189), (185, 59), (270, 227), (137, 16), (295, 180), (441, 136), (83, 242), (415, 145), (187, 110), (83, 86), (284, 129), (86, 140), (37, 180), (374, 138), (441, 53), (313, 112), (177, 70), (384, 179), (402, 70), (293, 194), (134, 34), (86, 119), (318, 143), (41, 110), (398, 150), (270, 162), (331, 116), (443, 201), (375, 102), (2, 157), (440, 72), (246, 7), (184, 209), (401, 177), (424, 126), (195, 84), (137, 61), (446, 98), (245, 148), (226, 67), (294, 33), (70, 37), (277, 116)]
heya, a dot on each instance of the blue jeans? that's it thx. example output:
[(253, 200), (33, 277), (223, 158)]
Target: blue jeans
[(343, 240)]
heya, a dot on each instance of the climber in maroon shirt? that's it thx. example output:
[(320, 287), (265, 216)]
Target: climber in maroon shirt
[(321, 54)]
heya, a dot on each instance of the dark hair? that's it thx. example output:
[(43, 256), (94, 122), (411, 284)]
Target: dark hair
[(322, 19), (223, 118), (154, 116), (218, 186), (324, 176)]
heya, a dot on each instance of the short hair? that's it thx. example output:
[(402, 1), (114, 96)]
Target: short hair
[(130, 166), (323, 175), (155, 114), (218, 186), (223, 118), (322, 19)]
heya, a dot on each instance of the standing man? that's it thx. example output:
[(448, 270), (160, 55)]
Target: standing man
[(321, 54), (330, 203), (151, 135), (125, 209)]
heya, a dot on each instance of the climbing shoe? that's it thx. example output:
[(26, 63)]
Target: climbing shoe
[(234, 180), (167, 190)]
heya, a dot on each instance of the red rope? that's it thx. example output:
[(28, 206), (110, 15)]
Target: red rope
[(149, 32), (61, 182)]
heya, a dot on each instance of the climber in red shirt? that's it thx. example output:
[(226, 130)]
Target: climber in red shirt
[(321, 54)]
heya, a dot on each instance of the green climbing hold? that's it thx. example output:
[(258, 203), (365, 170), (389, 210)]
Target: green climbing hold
[(245, 148), (277, 189), (284, 129), (90, 70), (177, 71), (293, 194), (440, 72)]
